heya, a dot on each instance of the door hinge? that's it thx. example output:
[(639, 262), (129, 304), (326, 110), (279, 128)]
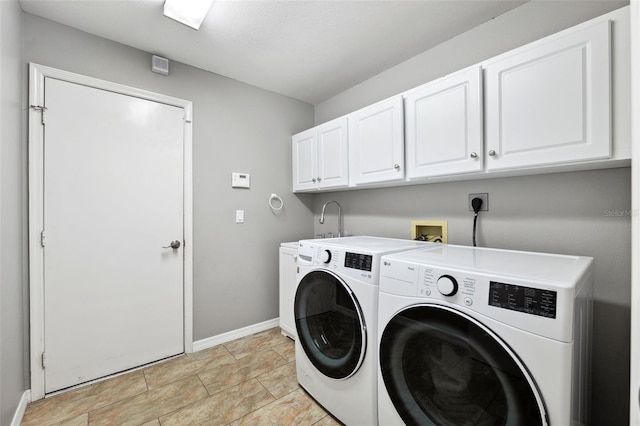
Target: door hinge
[(42, 238), (44, 361), (41, 109)]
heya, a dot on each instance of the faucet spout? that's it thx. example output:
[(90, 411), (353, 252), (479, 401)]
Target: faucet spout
[(324, 207)]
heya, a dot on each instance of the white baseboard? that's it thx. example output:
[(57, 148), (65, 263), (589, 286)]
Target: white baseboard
[(22, 407), (212, 341)]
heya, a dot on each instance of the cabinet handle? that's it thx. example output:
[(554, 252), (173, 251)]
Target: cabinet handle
[(396, 166), (319, 179), (474, 155), (313, 180), (492, 153)]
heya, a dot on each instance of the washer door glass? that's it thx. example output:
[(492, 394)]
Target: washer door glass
[(330, 324), (441, 367)]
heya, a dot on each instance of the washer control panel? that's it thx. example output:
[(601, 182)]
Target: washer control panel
[(357, 264)]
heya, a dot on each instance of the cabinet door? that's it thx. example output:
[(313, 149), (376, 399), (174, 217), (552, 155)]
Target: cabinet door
[(443, 121), (376, 143), (550, 103), (304, 153), (288, 267), (333, 154)]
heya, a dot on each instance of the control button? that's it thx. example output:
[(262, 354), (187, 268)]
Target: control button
[(427, 292), (468, 301), (447, 285), (325, 256)]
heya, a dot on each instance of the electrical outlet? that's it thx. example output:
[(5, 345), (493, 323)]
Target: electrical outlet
[(485, 201)]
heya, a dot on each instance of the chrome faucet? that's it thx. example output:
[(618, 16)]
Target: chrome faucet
[(339, 216)]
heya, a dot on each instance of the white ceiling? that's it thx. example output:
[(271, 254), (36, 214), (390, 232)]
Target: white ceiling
[(306, 49)]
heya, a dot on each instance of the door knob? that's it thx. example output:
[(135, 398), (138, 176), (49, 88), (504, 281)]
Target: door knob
[(175, 244)]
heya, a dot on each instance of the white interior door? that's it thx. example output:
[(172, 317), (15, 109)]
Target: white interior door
[(113, 198)]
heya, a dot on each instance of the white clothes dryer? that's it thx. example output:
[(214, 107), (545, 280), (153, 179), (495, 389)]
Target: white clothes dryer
[(335, 312), (480, 336)]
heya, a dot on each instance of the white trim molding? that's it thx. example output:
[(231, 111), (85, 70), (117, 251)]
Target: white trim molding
[(219, 339), (634, 391), (25, 399), (37, 75)]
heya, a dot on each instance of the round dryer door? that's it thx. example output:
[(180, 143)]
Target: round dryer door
[(330, 324), (442, 367)]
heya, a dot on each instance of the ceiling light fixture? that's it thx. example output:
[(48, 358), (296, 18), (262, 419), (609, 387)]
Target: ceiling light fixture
[(188, 12)]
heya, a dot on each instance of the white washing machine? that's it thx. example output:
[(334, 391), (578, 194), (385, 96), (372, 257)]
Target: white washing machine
[(476, 336), (335, 312)]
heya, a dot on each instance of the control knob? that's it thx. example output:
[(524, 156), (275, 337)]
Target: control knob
[(447, 285), (325, 256)]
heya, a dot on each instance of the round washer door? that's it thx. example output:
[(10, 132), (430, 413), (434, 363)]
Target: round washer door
[(330, 324), (442, 367)]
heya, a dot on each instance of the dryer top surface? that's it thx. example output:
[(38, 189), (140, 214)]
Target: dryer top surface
[(554, 268)]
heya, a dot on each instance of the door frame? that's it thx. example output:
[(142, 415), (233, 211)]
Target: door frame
[(37, 75)]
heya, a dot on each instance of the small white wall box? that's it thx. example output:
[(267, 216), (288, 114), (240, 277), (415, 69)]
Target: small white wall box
[(160, 65), (240, 180)]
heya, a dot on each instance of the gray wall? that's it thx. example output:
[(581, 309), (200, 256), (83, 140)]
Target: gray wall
[(561, 213), (236, 127), (12, 213)]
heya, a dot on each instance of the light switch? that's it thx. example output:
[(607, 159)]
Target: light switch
[(239, 216)]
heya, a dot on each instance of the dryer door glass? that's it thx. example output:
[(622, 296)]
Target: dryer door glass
[(441, 367), (330, 324)]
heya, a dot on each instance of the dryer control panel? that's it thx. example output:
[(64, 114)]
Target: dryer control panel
[(537, 306), (529, 300), (460, 288)]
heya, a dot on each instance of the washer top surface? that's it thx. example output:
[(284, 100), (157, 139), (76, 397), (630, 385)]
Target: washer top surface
[(560, 269), (374, 245)]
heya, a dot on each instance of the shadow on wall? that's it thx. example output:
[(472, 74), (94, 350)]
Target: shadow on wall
[(611, 346)]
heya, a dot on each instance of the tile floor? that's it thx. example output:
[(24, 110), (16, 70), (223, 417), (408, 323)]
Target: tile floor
[(249, 381)]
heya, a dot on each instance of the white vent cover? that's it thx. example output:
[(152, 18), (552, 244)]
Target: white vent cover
[(160, 65)]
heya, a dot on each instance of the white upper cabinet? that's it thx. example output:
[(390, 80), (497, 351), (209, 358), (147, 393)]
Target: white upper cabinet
[(558, 104), (333, 154), (305, 159), (320, 157), (376, 143), (443, 124), (550, 103)]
